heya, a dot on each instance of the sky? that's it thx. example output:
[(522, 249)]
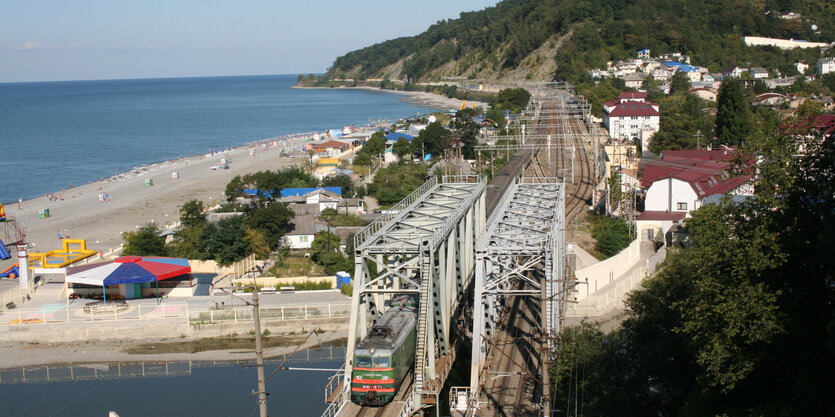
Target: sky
[(57, 40)]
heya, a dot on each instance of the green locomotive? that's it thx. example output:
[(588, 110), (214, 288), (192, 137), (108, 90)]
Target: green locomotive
[(384, 357)]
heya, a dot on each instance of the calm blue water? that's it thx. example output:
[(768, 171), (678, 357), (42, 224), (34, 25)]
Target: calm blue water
[(199, 391), (56, 133)]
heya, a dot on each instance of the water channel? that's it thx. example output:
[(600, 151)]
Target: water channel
[(168, 389)]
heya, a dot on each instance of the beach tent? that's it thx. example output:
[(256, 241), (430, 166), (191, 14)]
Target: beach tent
[(128, 270)]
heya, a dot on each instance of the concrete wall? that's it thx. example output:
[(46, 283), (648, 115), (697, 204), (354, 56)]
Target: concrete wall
[(209, 267), (658, 196), (603, 273), (781, 43)]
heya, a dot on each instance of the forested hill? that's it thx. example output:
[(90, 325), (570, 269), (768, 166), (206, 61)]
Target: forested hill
[(547, 39)]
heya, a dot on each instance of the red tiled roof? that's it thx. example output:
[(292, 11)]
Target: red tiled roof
[(633, 108), (330, 144), (825, 124), (707, 172), (628, 95), (662, 215)]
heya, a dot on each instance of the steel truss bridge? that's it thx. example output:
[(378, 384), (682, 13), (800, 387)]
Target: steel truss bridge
[(438, 245)]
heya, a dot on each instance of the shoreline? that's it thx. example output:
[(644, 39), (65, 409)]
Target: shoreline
[(418, 98), (22, 354)]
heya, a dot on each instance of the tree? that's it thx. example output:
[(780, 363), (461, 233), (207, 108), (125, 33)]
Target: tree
[(225, 240), (192, 214), (273, 220), (680, 84), (375, 145), (402, 148), (497, 116), (396, 181), (145, 241), (433, 139), (343, 181), (324, 243), (733, 117), (362, 159), (513, 99), (467, 131)]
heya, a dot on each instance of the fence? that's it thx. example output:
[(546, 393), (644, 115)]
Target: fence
[(12, 295), (180, 311), (613, 296)]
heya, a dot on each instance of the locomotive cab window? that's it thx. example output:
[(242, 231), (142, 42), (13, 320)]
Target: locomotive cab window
[(382, 362), (363, 362)]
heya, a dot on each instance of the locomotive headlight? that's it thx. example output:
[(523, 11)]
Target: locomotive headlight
[(372, 350)]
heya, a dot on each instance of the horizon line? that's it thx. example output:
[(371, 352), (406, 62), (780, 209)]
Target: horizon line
[(154, 78)]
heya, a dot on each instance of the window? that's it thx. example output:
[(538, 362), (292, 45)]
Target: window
[(303, 238), (634, 117), (382, 362), (681, 206), (363, 362)]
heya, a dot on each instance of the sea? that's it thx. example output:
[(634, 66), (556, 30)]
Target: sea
[(170, 389), (53, 134)]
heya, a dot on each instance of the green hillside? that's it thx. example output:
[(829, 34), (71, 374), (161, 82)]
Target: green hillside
[(562, 39)]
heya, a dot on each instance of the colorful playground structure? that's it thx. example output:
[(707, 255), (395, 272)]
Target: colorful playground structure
[(2, 213), (73, 251), (10, 272)]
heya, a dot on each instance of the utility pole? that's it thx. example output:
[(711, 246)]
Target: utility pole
[(259, 351), (259, 354)]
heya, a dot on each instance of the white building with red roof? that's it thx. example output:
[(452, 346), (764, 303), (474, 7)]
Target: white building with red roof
[(681, 182), (629, 114)]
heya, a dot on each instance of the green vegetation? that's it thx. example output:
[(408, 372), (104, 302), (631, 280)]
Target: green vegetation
[(486, 43), (741, 320), (612, 234), (513, 99), (335, 218), (733, 119), (145, 241), (396, 181)]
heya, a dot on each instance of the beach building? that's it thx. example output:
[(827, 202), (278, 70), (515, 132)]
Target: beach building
[(331, 148), (130, 277)]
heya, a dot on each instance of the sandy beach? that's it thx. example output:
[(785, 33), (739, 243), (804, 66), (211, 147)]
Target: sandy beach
[(82, 215)]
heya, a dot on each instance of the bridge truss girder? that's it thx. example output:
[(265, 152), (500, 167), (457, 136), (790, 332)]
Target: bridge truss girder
[(524, 242), (427, 248)]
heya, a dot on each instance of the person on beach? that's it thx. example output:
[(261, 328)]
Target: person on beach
[(66, 234), (19, 202), (59, 235)]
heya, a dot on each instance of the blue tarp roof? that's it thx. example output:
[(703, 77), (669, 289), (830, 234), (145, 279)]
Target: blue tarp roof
[(397, 135), (295, 192)]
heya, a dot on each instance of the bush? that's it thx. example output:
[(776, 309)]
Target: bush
[(612, 234), (347, 289)]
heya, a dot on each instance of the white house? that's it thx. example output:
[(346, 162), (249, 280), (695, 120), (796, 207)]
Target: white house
[(759, 73), (735, 72), (801, 67), (682, 181), (634, 80), (303, 233), (644, 53), (826, 66), (627, 116)]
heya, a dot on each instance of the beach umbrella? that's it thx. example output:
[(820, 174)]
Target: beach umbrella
[(128, 270)]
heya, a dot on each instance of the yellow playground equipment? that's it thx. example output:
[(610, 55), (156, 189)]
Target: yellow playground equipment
[(74, 250)]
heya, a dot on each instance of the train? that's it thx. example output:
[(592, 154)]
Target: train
[(384, 357)]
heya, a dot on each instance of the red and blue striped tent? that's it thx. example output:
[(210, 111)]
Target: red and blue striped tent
[(128, 270)]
